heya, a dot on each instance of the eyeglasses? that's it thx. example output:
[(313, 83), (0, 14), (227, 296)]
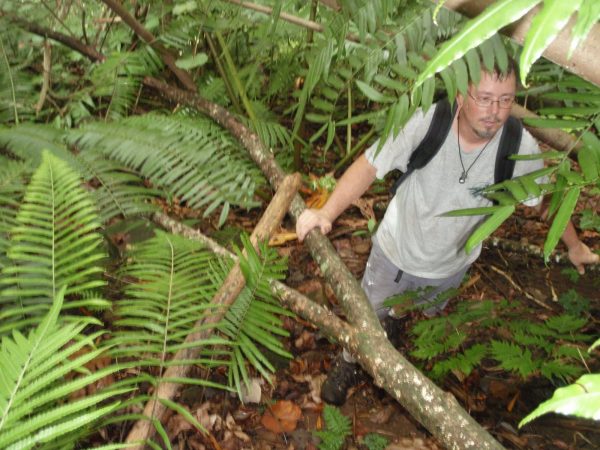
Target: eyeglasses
[(484, 101)]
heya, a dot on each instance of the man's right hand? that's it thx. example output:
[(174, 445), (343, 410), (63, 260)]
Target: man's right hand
[(309, 219)]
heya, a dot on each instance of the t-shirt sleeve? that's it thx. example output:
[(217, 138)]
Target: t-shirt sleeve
[(396, 151), (529, 146)]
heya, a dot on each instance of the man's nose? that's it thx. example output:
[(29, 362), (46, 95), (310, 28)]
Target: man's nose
[(495, 106)]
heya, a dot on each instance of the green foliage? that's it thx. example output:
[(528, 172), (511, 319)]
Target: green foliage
[(118, 192), (479, 330), (36, 405), (374, 441), (54, 242), (191, 158), (171, 292), (337, 429), (252, 322), (590, 220), (581, 399)]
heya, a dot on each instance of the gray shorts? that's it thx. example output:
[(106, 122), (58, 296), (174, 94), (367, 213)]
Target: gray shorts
[(382, 279)]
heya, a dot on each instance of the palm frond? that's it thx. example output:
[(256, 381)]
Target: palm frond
[(33, 393), (191, 158), (55, 242)]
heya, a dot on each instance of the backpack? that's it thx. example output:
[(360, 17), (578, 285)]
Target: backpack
[(510, 141)]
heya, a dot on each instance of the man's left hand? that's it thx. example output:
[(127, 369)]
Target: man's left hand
[(580, 254)]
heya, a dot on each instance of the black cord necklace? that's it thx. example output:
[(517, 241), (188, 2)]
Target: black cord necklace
[(465, 173)]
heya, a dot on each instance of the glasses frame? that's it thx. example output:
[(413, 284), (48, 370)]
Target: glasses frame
[(486, 103)]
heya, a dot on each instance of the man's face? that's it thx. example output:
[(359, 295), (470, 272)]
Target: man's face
[(486, 106)]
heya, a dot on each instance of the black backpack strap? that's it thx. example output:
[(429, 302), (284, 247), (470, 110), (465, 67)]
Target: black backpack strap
[(510, 141), (434, 138)]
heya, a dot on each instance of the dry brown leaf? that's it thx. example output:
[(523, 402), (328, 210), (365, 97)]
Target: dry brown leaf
[(282, 237), (282, 417)]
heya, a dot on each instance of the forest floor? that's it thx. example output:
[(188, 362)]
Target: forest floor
[(498, 399)]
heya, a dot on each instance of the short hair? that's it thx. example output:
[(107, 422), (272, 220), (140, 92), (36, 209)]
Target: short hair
[(511, 68)]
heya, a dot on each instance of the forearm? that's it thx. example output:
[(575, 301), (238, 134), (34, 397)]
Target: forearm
[(355, 181), (569, 237)]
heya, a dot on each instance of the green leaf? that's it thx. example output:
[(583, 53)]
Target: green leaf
[(545, 26), (462, 76), (449, 79), (588, 15), (581, 399), (484, 210), (489, 226), (560, 221), (373, 94), (474, 65), (192, 61), (516, 189), (589, 161), (476, 31), (185, 7)]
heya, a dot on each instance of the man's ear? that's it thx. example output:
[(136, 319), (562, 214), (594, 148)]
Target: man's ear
[(460, 100)]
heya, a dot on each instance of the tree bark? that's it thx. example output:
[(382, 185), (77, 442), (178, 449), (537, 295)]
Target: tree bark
[(225, 296), (438, 411), (581, 63)]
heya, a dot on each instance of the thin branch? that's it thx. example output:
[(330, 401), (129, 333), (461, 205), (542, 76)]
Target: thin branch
[(58, 19), (46, 67), (309, 24), (86, 50), (182, 75)]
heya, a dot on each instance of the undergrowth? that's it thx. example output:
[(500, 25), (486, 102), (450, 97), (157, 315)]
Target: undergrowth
[(507, 335)]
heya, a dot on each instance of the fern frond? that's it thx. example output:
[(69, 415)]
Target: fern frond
[(118, 191), (33, 387), (191, 158), (54, 243), (171, 291), (13, 176), (513, 357)]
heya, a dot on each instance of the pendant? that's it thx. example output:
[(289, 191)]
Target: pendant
[(463, 178)]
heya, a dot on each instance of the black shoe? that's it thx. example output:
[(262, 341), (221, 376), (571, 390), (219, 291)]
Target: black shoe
[(341, 378), (394, 329)]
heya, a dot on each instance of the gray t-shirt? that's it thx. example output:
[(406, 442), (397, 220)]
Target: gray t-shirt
[(413, 235)]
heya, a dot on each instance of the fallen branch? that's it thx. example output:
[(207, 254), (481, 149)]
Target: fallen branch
[(225, 296), (438, 411)]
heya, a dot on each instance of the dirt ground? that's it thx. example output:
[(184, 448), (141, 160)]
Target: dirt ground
[(496, 398)]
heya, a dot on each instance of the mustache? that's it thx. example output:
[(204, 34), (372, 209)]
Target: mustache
[(491, 119)]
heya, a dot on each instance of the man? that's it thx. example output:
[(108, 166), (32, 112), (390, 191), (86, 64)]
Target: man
[(416, 247)]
